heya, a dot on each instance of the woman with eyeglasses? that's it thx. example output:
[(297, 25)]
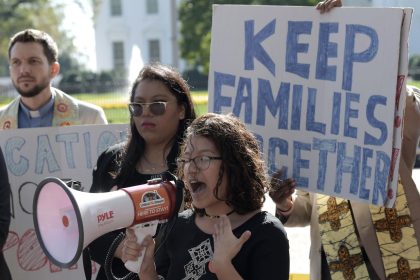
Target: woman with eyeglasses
[(160, 110), (225, 235)]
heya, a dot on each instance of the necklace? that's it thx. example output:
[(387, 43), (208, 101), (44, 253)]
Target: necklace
[(151, 167), (159, 168), (216, 216)]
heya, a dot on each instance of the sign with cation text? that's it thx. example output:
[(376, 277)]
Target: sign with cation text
[(31, 155), (323, 93)]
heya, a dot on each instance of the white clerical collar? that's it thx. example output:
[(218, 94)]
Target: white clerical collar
[(43, 111), (34, 114)]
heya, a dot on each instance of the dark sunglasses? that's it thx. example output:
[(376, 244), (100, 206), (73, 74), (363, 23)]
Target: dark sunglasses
[(157, 108)]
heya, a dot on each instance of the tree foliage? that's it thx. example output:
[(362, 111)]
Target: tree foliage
[(17, 15), (195, 17), (414, 67)]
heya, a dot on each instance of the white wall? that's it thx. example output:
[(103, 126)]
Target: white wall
[(135, 28)]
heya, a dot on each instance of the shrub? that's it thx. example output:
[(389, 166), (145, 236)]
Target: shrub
[(91, 82), (196, 80), (414, 67)]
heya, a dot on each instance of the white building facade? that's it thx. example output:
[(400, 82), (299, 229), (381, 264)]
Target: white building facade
[(131, 33)]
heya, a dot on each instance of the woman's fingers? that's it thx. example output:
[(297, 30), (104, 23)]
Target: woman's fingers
[(244, 237), (132, 249)]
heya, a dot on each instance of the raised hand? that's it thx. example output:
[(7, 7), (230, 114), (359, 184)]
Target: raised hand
[(226, 245), (281, 191)]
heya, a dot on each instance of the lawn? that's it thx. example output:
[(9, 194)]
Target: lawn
[(415, 83), (120, 115), (115, 104)]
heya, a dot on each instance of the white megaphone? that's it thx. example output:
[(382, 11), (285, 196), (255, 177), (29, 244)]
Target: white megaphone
[(68, 220)]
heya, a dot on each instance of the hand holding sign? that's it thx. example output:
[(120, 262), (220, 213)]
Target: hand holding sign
[(327, 5), (281, 191)]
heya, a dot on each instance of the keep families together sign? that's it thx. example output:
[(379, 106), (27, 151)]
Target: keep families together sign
[(324, 93)]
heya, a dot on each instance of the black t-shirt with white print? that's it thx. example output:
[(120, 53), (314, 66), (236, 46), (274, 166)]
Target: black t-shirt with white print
[(188, 250)]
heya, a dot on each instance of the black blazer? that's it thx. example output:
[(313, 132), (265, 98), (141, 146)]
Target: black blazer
[(4, 216)]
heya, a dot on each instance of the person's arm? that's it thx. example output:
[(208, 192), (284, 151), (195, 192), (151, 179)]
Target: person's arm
[(91, 114), (101, 117), (281, 192), (269, 256), (291, 211), (4, 201), (301, 213), (411, 132), (102, 181)]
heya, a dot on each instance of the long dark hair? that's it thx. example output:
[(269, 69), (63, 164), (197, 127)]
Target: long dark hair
[(135, 144)]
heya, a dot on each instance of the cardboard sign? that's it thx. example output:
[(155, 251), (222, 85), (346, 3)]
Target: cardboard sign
[(31, 155), (324, 93)]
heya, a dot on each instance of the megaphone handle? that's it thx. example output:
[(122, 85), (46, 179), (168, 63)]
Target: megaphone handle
[(141, 231)]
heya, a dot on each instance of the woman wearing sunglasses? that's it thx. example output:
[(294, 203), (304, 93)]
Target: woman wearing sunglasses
[(160, 110)]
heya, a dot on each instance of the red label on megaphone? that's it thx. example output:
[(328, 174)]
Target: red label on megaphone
[(153, 201), (103, 217)]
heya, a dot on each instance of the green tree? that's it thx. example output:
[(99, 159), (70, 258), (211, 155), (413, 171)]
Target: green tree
[(195, 17), (16, 15), (414, 67)]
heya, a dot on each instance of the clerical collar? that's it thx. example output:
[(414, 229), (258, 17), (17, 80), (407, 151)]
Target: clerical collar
[(41, 112)]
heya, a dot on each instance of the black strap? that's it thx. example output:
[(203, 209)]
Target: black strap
[(110, 257), (87, 265)]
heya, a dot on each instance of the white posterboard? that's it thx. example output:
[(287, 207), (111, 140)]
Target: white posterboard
[(31, 155), (324, 93)]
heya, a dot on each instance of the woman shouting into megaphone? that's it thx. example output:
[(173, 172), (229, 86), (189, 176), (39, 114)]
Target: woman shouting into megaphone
[(225, 234)]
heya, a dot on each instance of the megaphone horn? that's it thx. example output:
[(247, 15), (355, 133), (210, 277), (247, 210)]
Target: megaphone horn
[(68, 220)]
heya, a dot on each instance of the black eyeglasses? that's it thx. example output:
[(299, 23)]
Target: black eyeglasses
[(157, 108), (201, 162)]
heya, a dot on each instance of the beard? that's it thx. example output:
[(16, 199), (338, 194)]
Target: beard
[(37, 89)]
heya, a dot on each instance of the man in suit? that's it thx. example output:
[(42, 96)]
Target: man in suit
[(4, 216), (33, 63)]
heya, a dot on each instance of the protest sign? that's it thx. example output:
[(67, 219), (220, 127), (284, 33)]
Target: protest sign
[(32, 155), (324, 93)]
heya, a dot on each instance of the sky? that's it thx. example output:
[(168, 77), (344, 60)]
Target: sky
[(78, 21)]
